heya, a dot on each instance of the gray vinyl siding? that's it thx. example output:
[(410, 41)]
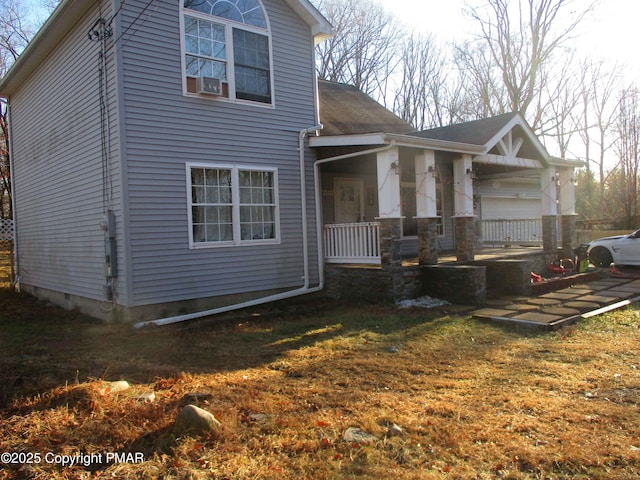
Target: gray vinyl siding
[(165, 129), (58, 179)]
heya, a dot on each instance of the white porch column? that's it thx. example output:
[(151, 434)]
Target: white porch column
[(463, 208), (567, 210), (549, 183), (425, 164), (426, 207), (463, 187), (567, 192), (549, 186), (389, 213), (388, 163)]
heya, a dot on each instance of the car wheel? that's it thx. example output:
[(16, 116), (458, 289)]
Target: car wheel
[(600, 257)]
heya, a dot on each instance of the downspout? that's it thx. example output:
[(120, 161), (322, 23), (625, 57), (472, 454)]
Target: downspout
[(305, 289), (13, 203)]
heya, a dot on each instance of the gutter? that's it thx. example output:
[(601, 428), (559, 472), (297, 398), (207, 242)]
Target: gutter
[(305, 289)]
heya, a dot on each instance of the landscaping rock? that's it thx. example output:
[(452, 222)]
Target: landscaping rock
[(114, 387), (148, 397), (357, 435), (195, 419)]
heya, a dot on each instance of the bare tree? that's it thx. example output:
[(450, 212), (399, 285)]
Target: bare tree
[(624, 183), (484, 90), (600, 113), (561, 96), (423, 96), (510, 61), (365, 47), (14, 36)]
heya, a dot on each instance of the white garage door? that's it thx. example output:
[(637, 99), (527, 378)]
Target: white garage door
[(525, 227), (493, 208)]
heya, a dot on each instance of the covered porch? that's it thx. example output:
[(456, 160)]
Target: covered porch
[(457, 210), (391, 197)]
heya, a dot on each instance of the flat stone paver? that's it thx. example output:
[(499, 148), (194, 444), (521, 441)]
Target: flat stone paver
[(599, 299), (523, 307), (562, 311), (544, 301), (560, 295), (628, 288), (493, 312), (614, 293), (582, 305), (538, 317)]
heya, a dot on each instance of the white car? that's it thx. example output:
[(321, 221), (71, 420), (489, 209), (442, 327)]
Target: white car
[(621, 250)]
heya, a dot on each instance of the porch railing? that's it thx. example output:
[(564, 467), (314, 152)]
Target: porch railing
[(352, 243), (527, 232)]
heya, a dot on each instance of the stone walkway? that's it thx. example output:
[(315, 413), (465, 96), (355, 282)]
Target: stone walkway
[(561, 307)]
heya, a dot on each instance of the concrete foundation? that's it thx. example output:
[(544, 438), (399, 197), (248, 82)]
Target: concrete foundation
[(107, 311)]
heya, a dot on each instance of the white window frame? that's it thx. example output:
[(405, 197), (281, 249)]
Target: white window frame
[(236, 205), (230, 60)]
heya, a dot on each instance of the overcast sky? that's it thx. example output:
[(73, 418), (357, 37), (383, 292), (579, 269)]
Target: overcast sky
[(611, 32)]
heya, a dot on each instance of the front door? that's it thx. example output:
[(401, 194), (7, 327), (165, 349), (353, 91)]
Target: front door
[(349, 200)]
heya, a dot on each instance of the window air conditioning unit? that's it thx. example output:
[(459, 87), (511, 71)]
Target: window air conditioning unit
[(209, 85)]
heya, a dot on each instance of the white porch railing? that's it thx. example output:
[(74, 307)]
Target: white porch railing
[(512, 232), (352, 243)]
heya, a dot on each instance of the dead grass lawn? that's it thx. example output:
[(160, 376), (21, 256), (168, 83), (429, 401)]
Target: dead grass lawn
[(475, 400)]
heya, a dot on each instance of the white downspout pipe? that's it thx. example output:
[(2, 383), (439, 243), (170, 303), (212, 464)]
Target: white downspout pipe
[(305, 289)]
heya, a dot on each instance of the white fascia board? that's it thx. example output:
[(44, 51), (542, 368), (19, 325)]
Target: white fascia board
[(365, 139), (509, 161), (368, 139), (321, 29), (59, 23), (566, 162), (434, 144)]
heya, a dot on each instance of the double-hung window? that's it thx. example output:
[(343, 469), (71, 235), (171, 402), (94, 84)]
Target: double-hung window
[(226, 43), (232, 205)]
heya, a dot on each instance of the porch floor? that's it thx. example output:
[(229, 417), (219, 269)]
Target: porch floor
[(489, 253)]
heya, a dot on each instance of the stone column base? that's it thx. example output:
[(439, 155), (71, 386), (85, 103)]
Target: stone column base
[(390, 243), (427, 241), (465, 239), (550, 233)]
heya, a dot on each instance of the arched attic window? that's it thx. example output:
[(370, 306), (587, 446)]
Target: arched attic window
[(216, 31)]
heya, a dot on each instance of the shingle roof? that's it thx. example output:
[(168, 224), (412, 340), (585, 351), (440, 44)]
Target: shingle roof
[(476, 132), (345, 110)]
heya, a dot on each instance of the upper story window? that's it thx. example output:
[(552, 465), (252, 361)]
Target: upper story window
[(226, 49)]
